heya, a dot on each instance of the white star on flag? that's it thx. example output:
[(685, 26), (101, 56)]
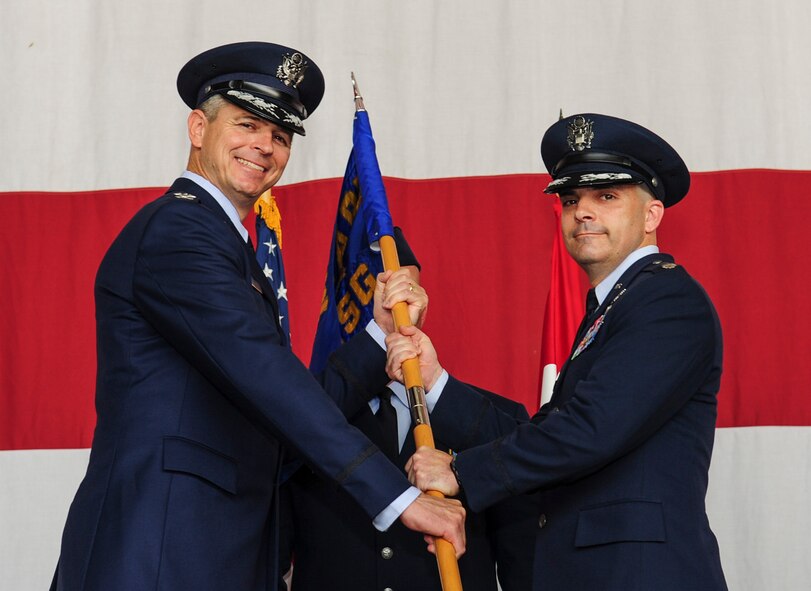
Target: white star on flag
[(271, 247), (281, 292), (268, 272)]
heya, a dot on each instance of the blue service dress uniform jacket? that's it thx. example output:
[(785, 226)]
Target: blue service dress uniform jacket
[(197, 392), (335, 547), (621, 452)]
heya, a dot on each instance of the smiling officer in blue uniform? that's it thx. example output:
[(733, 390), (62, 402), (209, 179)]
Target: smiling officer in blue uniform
[(197, 389), (621, 452)]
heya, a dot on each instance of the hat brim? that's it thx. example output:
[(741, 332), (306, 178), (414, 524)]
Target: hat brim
[(272, 81), (590, 176), (265, 107)]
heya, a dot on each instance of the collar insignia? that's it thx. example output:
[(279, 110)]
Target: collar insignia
[(291, 71), (580, 133)]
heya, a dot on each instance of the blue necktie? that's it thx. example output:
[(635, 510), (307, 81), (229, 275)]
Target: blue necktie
[(591, 302)]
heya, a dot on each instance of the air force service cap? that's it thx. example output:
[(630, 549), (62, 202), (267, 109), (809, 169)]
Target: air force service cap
[(277, 83), (591, 150)]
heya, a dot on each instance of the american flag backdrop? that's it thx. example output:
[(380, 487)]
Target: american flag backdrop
[(268, 232), (461, 92)]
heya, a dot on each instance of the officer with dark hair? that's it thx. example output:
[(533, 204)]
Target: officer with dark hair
[(198, 391), (621, 452)]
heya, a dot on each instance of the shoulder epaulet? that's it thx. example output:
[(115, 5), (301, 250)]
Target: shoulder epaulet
[(184, 196), (659, 265)]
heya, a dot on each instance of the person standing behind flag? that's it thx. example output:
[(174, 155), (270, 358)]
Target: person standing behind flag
[(333, 546), (621, 452), (197, 388)]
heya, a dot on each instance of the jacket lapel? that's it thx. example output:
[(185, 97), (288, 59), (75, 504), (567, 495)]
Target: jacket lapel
[(261, 282), (624, 281), (258, 280)]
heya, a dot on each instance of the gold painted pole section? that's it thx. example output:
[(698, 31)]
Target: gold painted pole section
[(423, 436)]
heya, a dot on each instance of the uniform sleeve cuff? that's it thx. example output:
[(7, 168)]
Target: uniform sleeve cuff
[(432, 396), (390, 514), (376, 333)]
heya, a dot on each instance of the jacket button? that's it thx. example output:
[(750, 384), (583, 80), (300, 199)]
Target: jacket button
[(542, 520), (387, 553), (388, 589)]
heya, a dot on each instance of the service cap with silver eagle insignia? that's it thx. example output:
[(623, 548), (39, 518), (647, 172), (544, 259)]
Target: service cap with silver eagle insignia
[(592, 150), (275, 82)]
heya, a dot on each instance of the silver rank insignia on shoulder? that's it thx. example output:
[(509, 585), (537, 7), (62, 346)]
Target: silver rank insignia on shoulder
[(669, 266), (580, 133), (187, 196), (291, 71)]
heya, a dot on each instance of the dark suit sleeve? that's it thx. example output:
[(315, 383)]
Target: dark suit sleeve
[(193, 285), (355, 373), (658, 351), (468, 416)]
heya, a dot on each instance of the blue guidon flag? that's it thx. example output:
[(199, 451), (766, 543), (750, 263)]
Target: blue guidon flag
[(354, 262)]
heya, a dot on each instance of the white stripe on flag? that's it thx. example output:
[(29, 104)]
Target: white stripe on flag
[(463, 87), (548, 377), (757, 503), (36, 488), (759, 507)]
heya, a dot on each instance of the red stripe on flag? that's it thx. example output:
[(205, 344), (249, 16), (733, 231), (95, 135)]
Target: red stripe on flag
[(485, 246), (564, 310), (53, 244)]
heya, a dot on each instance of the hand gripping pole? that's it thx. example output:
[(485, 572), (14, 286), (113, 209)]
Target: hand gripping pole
[(423, 436)]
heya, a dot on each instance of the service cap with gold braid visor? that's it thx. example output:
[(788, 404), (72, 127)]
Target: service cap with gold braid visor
[(275, 82), (591, 150)]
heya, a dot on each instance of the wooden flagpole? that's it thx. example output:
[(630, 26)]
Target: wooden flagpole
[(423, 435)]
